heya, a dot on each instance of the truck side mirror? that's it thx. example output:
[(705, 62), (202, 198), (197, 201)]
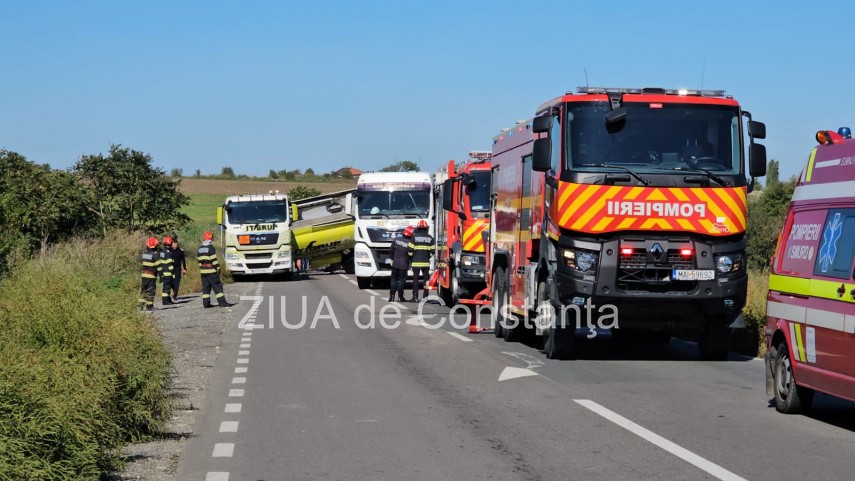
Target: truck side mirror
[(756, 130), (448, 195), (542, 124), (219, 216), (541, 155), (757, 160)]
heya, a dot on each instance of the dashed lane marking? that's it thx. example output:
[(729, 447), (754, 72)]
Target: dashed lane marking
[(236, 392), (243, 353), (238, 380), (223, 450), (457, 335), (682, 453), (354, 282), (233, 407), (217, 476), (344, 276), (240, 370), (373, 293), (228, 427), (243, 360), (244, 346)]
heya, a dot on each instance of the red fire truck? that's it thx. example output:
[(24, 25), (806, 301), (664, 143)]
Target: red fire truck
[(810, 329), (464, 191), (638, 219)]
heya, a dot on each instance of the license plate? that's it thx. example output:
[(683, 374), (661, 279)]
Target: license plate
[(257, 271), (693, 275)]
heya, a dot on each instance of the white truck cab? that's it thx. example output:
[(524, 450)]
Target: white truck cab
[(257, 234), (386, 203)]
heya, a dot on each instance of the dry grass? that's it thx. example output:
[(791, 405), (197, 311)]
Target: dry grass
[(226, 187)]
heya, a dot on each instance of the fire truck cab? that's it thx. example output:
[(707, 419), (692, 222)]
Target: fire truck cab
[(640, 210), (810, 313), (463, 190)]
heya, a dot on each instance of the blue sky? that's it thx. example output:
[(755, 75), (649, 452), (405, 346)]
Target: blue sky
[(323, 84)]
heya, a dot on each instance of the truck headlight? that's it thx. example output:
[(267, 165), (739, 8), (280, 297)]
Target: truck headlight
[(728, 263), (580, 260), (469, 260), (362, 255), (284, 254), (232, 257)]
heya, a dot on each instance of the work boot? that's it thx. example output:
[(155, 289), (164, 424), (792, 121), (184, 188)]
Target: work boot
[(392, 298), (226, 304)]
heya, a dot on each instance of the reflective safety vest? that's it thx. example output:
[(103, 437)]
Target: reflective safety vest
[(208, 264), (165, 266), (150, 264), (421, 249)]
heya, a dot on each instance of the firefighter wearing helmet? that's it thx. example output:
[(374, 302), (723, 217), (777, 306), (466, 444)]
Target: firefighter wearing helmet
[(399, 257), (166, 271), (421, 250), (209, 268), (150, 266)]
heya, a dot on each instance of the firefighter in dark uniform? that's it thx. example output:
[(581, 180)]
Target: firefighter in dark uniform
[(179, 261), (209, 268), (421, 249), (166, 270), (399, 255), (150, 263)]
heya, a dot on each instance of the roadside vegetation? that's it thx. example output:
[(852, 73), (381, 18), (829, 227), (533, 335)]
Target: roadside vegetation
[(82, 371), (766, 212)]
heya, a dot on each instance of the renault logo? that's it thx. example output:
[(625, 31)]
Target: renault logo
[(657, 250)]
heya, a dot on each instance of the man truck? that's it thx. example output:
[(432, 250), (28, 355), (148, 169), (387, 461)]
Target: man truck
[(386, 203), (627, 203)]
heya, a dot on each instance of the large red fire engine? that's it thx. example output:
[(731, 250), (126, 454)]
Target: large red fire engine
[(464, 191), (639, 217)]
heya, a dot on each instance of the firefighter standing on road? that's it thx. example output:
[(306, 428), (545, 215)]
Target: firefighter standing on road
[(150, 266), (180, 267), (166, 270), (209, 268), (421, 249), (399, 255)]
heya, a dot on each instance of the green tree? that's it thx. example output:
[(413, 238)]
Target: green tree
[(301, 192), (198, 173), (308, 173), (129, 193), (176, 173), (273, 174), (773, 173), (227, 172), (766, 213), (402, 166)]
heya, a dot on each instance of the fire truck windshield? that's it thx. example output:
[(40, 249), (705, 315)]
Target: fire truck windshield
[(479, 191), (257, 212), (655, 137), (396, 203)]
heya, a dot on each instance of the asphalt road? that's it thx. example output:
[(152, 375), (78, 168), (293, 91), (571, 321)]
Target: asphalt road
[(338, 401)]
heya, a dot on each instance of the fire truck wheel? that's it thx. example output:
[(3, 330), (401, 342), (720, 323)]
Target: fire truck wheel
[(363, 282), (498, 292), (714, 345), (558, 341), (789, 397)]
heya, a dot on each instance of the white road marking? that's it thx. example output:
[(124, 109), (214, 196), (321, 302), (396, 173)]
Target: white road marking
[(250, 316), (223, 450), (243, 353), (344, 276), (533, 362), (243, 360), (238, 380), (354, 282), (217, 476), (233, 407), (240, 370), (228, 427), (244, 346), (457, 335), (236, 392), (515, 372), (373, 293), (413, 321), (647, 435)]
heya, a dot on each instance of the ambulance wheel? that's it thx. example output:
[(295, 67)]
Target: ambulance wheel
[(789, 397), (498, 292), (714, 345), (558, 342), (363, 282)]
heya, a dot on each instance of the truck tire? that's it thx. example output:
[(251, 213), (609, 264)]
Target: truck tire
[(558, 341), (790, 398), (498, 292), (363, 282), (714, 344)]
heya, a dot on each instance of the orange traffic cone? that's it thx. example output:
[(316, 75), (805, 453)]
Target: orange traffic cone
[(434, 278)]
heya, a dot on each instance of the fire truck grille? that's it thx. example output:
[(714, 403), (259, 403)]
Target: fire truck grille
[(643, 272)]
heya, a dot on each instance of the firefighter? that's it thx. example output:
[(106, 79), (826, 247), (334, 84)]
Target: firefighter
[(179, 262), (420, 249), (166, 271), (209, 268), (150, 263), (399, 257)]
